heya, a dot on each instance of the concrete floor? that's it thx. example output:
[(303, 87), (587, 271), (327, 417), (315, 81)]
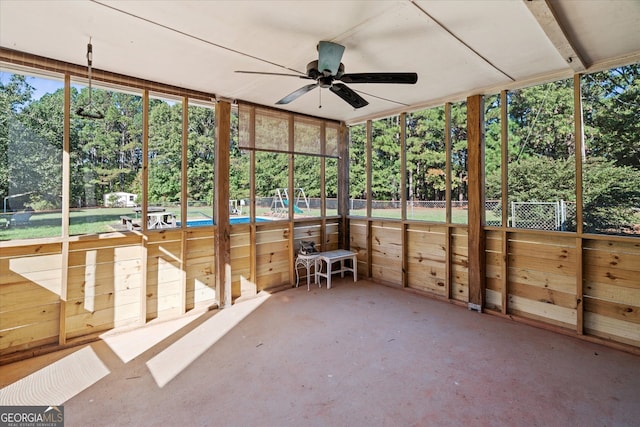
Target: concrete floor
[(355, 355)]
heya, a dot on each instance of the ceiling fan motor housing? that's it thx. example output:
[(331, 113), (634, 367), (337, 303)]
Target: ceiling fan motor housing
[(314, 73)]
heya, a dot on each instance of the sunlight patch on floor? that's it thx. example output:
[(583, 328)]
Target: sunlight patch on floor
[(178, 356), (57, 382), (132, 343)]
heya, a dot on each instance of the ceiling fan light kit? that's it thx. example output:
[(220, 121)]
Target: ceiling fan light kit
[(328, 68)]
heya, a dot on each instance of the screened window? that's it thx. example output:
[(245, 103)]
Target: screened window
[(493, 160), (200, 165), (31, 139), (165, 162), (106, 159), (459, 166), (358, 170), (426, 165), (611, 166), (541, 167), (385, 168)]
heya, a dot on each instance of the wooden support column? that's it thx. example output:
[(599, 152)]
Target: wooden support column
[(291, 198), (343, 186), (447, 190), (369, 155), (323, 188), (477, 265), (66, 198), (403, 199), (579, 148), (184, 198), (145, 200), (221, 211), (504, 174)]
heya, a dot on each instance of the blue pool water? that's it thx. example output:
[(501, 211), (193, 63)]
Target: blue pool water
[(232, 220)]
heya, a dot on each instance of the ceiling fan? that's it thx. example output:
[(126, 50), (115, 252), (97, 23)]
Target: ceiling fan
[(328, 69)]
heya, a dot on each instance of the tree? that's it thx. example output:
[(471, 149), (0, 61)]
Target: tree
[(165, 152), (15, 93), (426, 155)]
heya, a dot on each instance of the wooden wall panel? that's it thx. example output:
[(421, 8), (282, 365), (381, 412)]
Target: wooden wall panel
[(165, 287), (427, 256), (30, 286), (104, 280), (358, 243), (495, 260), (612, 290), (200, 269), (542, 271), (272, 255), (308, 231), (386, 252), (332, 236), (459, 264), (242, 282)]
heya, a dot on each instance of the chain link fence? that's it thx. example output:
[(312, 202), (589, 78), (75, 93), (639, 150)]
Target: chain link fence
[(558, 216)]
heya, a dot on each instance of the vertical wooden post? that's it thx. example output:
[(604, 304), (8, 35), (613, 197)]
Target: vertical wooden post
[(253, 227), (144, 203), (579, 150), (221, 211), (403, 198), (184, 202), (66, 199), (323, 188), (368, 192), (504, 180), (447, 191), (291, 198), (477, 265), (343, 185)]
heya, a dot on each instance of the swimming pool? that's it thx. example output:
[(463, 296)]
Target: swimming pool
[(232, 220)]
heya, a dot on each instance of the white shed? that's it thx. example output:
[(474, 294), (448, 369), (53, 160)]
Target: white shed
[(120, 199)]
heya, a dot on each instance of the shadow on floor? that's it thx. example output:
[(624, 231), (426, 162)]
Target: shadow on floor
[(355, 355)]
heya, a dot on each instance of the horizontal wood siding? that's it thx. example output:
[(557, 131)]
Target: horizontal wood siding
[(331, 236), (30, 285), (612, 290), (200, 268), (308, 231), (459, 264), (386, 252), (542, 284), (427, 258), (358, 243), (272, 255), (242, 282), (165, 277), (494, 259), (104, 283)]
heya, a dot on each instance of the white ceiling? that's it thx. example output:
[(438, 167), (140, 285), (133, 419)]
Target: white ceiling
[(458, 48)]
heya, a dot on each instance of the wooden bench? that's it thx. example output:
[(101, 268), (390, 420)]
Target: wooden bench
[(331, 257)]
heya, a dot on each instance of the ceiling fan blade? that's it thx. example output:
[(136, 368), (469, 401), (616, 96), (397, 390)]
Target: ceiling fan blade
[(302, 76), (298, 93), (329, 57), (344, 92), (402, 78)]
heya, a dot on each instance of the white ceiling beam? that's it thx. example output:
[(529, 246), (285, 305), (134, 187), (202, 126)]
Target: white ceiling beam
[(543, 13)]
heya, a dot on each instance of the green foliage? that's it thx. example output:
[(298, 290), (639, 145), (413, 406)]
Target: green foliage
[(426, 156), (357, 162), (611, 196), (385, 161)]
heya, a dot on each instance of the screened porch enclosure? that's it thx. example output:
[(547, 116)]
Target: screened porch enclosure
[(439, 237)]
